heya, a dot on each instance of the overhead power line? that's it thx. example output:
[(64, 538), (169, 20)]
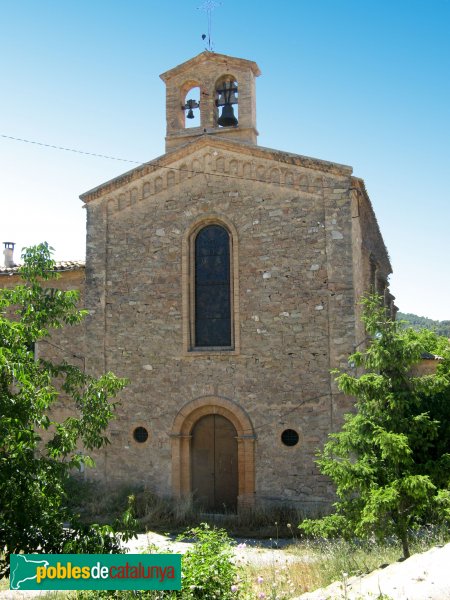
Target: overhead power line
[(156, 164), (10, 137)]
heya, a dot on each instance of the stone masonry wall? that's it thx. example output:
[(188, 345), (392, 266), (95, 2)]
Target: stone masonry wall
[(370, 257), (296, 312)]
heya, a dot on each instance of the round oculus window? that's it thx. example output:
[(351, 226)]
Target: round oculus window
[(140, 434), (289, 437)]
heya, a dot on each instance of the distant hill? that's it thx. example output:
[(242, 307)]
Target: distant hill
[(416, 322)]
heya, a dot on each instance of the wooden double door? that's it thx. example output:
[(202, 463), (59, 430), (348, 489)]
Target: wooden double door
[(214, 464)]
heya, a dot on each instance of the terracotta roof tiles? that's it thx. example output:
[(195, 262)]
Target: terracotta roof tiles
[(60, 266)]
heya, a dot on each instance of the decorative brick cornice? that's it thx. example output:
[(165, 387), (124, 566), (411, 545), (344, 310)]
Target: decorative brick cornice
[(215, 143)]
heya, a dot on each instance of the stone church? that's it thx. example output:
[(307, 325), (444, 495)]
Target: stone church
[(223, 280)]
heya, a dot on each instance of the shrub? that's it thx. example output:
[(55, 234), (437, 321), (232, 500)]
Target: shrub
[(208, 570)]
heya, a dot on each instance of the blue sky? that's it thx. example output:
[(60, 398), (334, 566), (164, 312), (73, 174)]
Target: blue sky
[(364, 83)]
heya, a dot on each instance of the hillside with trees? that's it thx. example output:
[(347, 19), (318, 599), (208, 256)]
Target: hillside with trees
[(416, 322)]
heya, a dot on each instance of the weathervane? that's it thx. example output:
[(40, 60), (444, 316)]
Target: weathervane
[(208, 6)]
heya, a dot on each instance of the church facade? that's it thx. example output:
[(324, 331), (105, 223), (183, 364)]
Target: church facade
[(223, 279)]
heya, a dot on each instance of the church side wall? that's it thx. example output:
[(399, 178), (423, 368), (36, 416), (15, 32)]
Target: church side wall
[(371, 264)]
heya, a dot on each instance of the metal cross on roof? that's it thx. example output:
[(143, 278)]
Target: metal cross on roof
[(208, 6)]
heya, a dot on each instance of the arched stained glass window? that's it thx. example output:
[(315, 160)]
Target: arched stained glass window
[(212, 288)]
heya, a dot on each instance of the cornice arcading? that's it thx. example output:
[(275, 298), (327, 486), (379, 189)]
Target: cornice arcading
[(244, 153)]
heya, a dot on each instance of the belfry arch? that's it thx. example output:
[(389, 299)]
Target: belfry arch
[(190, 93), (227, 101), (181, 436)]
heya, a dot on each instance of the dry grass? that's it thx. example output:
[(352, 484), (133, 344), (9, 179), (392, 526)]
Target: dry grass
[(308, 565), (99, 503), (280, 579)]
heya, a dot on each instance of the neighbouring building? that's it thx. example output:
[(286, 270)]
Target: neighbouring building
[(223, 280)]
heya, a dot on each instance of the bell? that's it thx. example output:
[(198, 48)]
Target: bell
[(227, 118), (190, 114)]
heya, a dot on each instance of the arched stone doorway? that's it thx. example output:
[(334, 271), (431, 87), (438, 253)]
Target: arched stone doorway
[(186, 449), (214, 468)]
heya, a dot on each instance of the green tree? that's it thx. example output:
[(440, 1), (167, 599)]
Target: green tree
[(390, 462), (33, 473)]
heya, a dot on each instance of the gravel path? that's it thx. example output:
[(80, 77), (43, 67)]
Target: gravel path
[(257, 552)]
